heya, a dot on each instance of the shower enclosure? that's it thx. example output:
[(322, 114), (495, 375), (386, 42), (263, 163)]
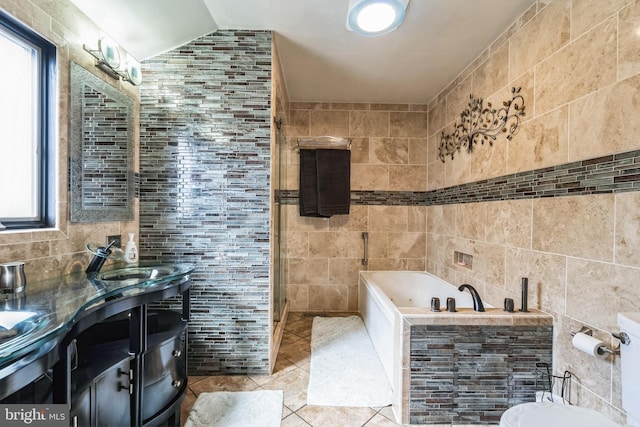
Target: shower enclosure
[(279, 271)]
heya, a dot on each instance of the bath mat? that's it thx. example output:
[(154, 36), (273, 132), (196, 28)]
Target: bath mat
[(261, 408), (345, 369)]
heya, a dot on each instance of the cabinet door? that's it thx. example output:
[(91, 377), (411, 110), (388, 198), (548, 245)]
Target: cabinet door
[(168, 358), (81, 409), (106, 401), (113, 401), (164, 375)]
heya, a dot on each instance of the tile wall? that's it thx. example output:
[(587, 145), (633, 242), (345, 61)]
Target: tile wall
[(99, 178), (204, 190), (61, 250), (557, 204), (473, 373), (578, 67), (388, 154)]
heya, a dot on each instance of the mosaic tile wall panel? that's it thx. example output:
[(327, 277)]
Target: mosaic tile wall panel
[(472, 374), (204, 190), (609, 174), (105, 156)]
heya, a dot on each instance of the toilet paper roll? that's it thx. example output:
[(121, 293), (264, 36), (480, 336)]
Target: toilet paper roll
[(589, 345)]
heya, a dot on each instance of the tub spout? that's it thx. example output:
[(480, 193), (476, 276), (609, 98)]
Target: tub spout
[(477, 302)]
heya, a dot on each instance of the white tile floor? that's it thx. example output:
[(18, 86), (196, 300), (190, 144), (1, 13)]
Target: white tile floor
[(291, 375)]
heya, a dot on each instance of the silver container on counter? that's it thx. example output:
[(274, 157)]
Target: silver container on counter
[(12, 278)]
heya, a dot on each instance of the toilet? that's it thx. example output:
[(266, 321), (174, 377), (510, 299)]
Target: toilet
[(536, 414)]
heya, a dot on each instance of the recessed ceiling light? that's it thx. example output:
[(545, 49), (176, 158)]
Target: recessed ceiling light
[(375, 17)]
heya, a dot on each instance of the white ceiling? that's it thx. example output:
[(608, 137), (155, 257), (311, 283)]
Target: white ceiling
[(321, 59)]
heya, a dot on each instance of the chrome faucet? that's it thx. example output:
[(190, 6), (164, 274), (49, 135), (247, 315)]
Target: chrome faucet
[(477, 302)]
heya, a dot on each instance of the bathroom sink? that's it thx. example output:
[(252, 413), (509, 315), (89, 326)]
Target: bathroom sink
[(144, 274), (18, 327)]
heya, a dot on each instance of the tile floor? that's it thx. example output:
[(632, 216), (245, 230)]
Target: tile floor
[(291, 374)]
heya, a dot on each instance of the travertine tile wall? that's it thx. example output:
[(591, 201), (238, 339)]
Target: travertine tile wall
[(577, 63), (388, 153), (61, 250)]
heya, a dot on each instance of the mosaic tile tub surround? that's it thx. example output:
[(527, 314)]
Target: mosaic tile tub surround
[(473, 373), (204, 190)]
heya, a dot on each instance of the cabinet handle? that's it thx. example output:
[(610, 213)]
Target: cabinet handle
[(128, 373), (74, 355), (176, 353), (176, 383)]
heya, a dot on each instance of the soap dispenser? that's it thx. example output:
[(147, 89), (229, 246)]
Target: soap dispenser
[(131, 251)]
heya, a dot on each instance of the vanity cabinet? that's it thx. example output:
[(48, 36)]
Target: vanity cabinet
[(105, 367), (102, 350)]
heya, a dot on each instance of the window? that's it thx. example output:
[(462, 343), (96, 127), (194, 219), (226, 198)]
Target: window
[(27, 146)]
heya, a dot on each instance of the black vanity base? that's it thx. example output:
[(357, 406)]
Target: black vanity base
[(119, 364), (104, 371)]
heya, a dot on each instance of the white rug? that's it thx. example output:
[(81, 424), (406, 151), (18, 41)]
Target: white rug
[(345, 369), (262, 408)]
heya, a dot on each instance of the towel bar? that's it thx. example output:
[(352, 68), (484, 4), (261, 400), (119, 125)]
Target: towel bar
[(330, 142)]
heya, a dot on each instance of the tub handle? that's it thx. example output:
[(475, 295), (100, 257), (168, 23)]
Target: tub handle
[(365, 237)]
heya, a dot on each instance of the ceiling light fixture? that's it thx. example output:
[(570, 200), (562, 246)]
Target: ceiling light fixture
[(375, 17)]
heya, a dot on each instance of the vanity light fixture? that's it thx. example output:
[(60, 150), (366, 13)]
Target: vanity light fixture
[(109, 52), (110, 61), (375, 17), (133, 72)]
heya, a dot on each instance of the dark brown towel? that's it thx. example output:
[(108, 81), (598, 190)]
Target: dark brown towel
[(308, 192), (334, 186), (325, 188)]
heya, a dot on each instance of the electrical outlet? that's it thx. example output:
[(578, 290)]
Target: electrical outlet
[(117, 238)]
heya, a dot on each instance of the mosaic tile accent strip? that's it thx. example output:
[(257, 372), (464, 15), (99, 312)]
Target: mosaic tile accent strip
[(394, 198), (472, 374), (204, 193), (609, 174)]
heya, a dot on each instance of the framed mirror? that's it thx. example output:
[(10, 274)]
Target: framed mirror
[(101, 158)]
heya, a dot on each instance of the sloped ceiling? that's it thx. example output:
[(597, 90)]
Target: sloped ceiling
[(321, 59)]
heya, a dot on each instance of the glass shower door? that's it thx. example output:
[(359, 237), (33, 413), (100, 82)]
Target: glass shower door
[(279, 283)]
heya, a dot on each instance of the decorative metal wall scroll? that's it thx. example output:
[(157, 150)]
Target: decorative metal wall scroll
[(479, 124)]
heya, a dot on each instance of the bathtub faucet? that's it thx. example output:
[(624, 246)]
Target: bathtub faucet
[(477, 302)]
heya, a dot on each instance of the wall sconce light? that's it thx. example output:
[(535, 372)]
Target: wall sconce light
[(109, 60), (375, 17)]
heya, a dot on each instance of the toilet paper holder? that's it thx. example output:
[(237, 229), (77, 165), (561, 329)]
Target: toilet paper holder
[(588, 331)]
